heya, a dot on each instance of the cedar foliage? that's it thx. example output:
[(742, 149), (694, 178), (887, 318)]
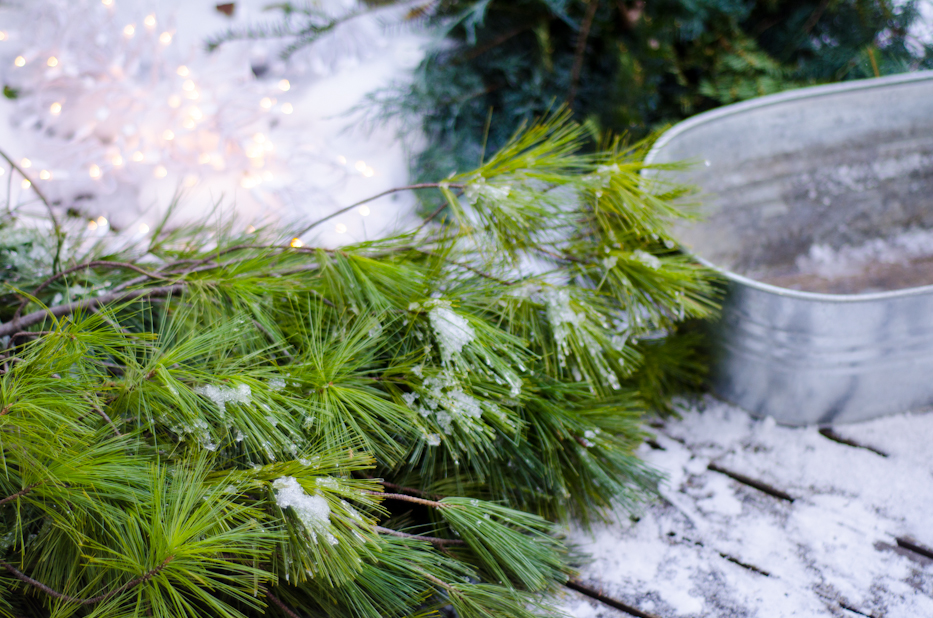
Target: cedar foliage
[(630, 67), (220, 424)]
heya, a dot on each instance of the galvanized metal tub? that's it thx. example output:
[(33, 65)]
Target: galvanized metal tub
[(830, 166)]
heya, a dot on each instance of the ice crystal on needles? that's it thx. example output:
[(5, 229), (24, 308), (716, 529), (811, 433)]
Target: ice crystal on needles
[(313, 511), (453, 331), (221, 395)]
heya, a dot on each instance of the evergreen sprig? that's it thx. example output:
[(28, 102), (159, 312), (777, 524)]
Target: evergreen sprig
[(222, 424)]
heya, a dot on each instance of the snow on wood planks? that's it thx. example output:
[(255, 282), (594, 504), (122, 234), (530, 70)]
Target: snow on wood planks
[(759, 520)]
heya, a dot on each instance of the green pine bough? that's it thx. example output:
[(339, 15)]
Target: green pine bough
[(220, 424)]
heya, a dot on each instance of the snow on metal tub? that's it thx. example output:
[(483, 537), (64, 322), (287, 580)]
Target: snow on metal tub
[(817, 207)]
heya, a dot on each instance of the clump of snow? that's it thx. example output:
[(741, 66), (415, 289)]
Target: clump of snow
[(313, 511), (443, 398), (561, 316), (222, 395), (276, 384), (452, 330), (647, 259)]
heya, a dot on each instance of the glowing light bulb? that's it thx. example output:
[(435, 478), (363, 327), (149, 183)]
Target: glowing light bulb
[(183, 71), (188, 123), (296, 242), (138, 156), (188, 86), (364, 211), (266, 103), (204, 158), (360, 166), (174, 101), (94, 171), (107, 2), (52, 61), (369, 172), (284, 85), (168, 135), (2, 35), (191, 180), (92, 225), (165, 38), (26, 184), (195, 113), (342, 160), (160, 171), (45, 175), (267, 176), (340, 228), (250, 229), (150, 21), (102, 221), (55, 109), (193, 95), (117, 160), (129, 31), (259, 138), (20, 61), (143, 228), (25, 164), (287, 108)]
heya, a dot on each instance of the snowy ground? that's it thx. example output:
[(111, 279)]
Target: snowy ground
[(715, 547)]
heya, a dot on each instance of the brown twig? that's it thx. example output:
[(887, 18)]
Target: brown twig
[(22, 492), (282, 606), (468, 267), (404, 498), (433, 540), (581, 49), (103, 597), (35, 188), (35, 317), (415, 187), (103, 415)]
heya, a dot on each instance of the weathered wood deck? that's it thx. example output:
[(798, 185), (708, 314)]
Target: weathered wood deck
[(759, 520)]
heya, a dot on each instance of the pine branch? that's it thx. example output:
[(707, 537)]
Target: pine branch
[(93, 600), (36, 317), (591, 7), (282, 606), (428, 539), (21, 492)]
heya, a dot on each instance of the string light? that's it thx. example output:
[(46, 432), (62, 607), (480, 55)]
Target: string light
[(340, 228), (129, 31), (183, 71), (250, 229), (52, 61), (150, 21), (342, 160), (195, 113), (25, 164), (296, 242), (94, 171), (107, 2), (102, 221), (55, 108), (284, 85), (360, 166), (20, 61), (369, 172), (168, 135), (160, 171), (165, 38), (117, 160), (266, 103), (45, 175), (174, 101), (188, 86), (138, 156), (26, 184), (191, 180), (204, 158), (2, 35), (92, 225), (287, 108), (188, 123), (364, 211), (193, 95), (143, 228)]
